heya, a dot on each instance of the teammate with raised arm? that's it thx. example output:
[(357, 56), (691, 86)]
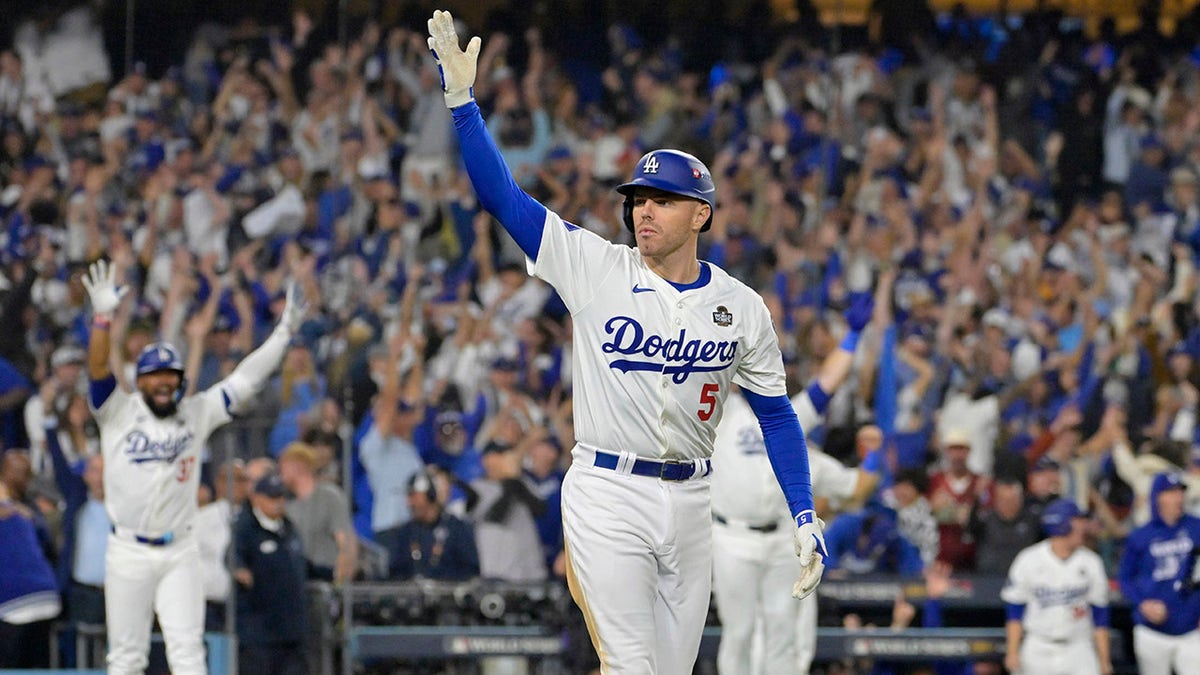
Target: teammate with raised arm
[(660, 337), (151, 441)]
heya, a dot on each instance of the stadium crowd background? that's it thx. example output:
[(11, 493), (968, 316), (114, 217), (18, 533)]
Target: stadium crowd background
[(1018, 194)]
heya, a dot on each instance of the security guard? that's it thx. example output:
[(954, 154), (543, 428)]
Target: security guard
[(270, 572)]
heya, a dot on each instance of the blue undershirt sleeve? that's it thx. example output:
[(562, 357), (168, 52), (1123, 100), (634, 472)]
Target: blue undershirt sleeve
[(1014, 612), (101, 389), (1100, 616), (785, 447), (819, 397), (498, 191)]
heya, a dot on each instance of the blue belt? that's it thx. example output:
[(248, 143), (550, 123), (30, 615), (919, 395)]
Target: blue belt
[(149, 541), (671, 469)]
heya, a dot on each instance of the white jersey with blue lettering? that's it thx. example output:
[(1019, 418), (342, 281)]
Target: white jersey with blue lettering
[(1057, 594), (744, 486), (152, 464), (653, 363)]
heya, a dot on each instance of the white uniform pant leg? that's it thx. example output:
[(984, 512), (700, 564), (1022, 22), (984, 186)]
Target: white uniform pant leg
[(737, 573), (179, 601), (1157, 652), (1153, 651), (779, 608), (806, 633), (1187, 651), (639, 566), (753, 576), (684, 576), (131, 572), (1042, 657)]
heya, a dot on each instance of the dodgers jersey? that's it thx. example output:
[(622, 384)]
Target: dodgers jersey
[(152, 465), (1057, 594), (652, 362), (744, 485)]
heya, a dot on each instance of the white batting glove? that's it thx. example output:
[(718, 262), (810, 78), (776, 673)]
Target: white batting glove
[(456, 66), (101, 285), (294, 309), (810, 548)]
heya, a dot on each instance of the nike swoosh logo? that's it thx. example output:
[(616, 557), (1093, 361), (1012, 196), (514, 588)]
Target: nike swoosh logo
[(639, 289)]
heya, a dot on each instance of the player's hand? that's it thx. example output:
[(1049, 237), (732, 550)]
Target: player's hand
[(456, 66), (1012, 662), (294, 309), (1155, 611), (101, 285), (810, 548), (243, 577), (858, 314)]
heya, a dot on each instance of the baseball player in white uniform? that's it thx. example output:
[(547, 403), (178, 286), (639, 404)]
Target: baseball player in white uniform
[(151, 441), (752, 556), (660, 338), (1056, 597)]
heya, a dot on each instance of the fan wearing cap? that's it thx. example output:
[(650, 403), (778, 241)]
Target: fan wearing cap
[(151, 439), (1157, 575), (66, 367), (1056, 598), (269, 568), (953, 493)]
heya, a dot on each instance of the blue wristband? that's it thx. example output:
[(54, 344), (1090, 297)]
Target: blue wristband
[(850, 342)]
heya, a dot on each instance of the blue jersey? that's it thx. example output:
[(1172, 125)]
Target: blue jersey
[(1157, 565)]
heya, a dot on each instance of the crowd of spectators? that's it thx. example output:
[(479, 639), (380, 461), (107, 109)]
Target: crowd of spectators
[(1023, 198)]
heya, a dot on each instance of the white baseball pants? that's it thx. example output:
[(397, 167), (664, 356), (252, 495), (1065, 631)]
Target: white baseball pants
[(753, 573), (639, 554), (1158, 652), (141, 580), (806, 632), (1043, 657)]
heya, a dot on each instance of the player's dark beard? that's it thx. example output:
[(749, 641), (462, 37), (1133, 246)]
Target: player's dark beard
[(160, 411)]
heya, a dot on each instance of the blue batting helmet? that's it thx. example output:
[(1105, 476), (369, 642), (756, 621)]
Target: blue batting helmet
[(671, 171), (159, 356), (1056, 519)]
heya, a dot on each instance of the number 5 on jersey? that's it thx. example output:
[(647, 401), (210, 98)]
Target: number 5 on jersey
[(708, 399)]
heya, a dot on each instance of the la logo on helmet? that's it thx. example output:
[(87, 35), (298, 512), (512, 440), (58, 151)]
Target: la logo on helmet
[(651, 165)]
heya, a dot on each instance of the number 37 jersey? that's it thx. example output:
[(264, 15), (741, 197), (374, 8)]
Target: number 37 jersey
[(152, 465), (653, 364)]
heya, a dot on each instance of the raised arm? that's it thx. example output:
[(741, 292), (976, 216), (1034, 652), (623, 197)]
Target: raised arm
[(837, 366), (498, 192), (249, 375), (101, 285)]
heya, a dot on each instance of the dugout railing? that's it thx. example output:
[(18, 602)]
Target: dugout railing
[(383, 626)]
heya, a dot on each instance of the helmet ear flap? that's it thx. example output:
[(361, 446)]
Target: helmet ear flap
[(183, 383), (627, 213)]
